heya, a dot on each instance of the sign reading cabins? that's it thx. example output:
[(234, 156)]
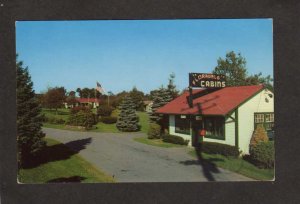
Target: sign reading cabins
[(207, 80)]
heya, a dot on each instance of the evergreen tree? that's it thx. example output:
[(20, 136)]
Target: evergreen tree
[(29, 118), (138, 98), (171, 86), (160, 97), (128, 119)]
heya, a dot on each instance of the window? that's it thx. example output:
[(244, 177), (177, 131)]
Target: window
[(214, 127), (259, 118), (182, 124), (266, 119)]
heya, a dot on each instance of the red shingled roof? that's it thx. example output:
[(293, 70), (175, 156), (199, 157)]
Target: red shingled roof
[(87, 100), (218, 102)]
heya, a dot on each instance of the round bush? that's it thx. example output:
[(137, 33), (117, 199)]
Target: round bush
[(104, 110), (83, 118), (263, 154), (154, 131), (108, 119)]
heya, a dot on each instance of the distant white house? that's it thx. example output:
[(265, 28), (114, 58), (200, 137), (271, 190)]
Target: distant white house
[(228, 115), (93, 102)]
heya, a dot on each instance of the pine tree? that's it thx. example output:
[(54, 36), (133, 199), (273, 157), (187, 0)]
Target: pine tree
[(29, 118), (172, 87), (128, 119), (160, 98)]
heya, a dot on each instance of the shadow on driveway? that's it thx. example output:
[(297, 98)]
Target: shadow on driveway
[(57, 152), (74, 179), (207, 165)]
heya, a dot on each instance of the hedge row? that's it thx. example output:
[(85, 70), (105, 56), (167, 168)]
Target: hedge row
[(175, 139), (108, 119), (217, 148)]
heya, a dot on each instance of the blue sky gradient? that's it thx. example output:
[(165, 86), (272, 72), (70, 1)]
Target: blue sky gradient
[(121, 54)]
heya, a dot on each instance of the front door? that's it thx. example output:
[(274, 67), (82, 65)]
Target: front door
[(196, 127)]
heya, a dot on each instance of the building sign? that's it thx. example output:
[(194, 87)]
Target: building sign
[(207, 80)]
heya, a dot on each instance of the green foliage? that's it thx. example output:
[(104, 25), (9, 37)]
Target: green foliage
[(108, 119), (160, 98), (55, 97), (76, 109), (85, 118), (171, 86), (137, 98), (217, 148), (128, 119), (104, 110), (259, 135), (154, 131), (175, 139), (263, 154), (234, 68), (88, 93), (29, 117), (54, 120)]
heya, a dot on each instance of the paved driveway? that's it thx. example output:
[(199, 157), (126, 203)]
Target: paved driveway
[(129, 161)]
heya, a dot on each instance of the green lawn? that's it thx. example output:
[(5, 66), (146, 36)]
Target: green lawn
[(156, 142), (100, 127), (60, 164), (238, 165)]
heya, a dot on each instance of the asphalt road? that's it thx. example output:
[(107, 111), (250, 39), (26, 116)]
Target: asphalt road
[(129, 161)]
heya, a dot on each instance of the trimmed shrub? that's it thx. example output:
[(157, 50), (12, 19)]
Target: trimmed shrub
[(104, 110), (54, 120), (175, 139), (259, 135), (108, 119), (217, 148), (263, 154), (76, 109), (83, 118), (154, 131)]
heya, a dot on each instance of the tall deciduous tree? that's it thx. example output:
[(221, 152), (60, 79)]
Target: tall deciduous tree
[(234, 68), (128, 119), (29, 118), (55, 97)]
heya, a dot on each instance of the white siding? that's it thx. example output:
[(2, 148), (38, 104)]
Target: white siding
[(246, 117), (172, 130), (229, 133)]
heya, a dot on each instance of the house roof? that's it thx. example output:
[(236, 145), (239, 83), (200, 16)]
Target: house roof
[(88, 100), (207, 102)]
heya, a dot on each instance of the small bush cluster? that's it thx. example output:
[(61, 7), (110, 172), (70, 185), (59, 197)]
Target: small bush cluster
[(263, 154), (108, 119), (154, 131), (217, 148), (76, 109), (104, 110), (175, 139), (83, 118), (54, 120)]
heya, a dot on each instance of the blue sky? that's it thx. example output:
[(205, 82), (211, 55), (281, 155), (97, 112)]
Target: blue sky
[(121, 54)]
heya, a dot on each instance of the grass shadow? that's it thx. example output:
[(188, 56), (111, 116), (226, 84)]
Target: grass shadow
[(57, 152), (72, 179)]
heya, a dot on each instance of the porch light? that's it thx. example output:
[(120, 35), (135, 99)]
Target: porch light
[(182, 116)]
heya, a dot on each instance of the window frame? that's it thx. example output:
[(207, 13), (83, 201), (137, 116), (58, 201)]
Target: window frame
[(217, 120), (186, 120), (268, 120)]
